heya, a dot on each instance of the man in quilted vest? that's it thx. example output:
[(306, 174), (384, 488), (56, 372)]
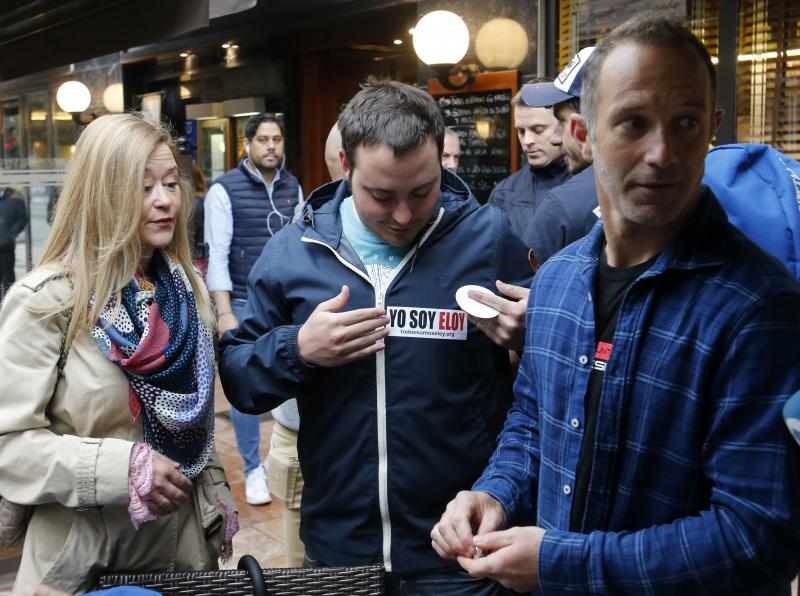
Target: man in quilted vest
[(245, 207)]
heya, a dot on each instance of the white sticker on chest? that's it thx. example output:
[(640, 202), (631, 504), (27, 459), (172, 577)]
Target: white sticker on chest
[(431, 323)]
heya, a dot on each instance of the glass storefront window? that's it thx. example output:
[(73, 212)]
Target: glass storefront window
[(11, 151), (767, 62), (212, 146), (39, 140), (583, 22), (10, 131), (768, 74), (38, 109), (66, 133), (241, 123)]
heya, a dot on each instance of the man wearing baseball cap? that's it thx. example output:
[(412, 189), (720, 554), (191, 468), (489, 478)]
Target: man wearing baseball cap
[(522, 193), (570, 210)]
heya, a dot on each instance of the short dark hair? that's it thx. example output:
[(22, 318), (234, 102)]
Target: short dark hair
[(517, 99), (648, 29), (573, 103), (390, 113), (252, 125)]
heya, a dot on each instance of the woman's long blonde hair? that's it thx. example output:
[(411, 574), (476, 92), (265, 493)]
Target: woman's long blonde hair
[(95, 235)]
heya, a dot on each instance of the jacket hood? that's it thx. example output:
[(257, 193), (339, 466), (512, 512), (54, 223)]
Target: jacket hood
[(320, 215)]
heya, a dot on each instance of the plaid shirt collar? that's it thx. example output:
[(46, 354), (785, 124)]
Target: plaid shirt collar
[(697, 244)]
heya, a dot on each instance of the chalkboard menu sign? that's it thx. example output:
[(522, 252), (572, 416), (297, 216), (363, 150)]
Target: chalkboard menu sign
[(481, 115)]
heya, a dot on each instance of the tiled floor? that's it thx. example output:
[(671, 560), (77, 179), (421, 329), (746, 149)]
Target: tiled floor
[(260, 534)]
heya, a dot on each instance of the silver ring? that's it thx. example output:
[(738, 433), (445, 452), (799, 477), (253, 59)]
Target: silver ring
[(164, 502)]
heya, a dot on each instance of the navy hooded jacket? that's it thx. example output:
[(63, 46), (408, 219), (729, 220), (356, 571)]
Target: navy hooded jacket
[(387, 441)]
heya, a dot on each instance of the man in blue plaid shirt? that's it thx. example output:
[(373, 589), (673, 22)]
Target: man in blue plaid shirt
[(647, 430)]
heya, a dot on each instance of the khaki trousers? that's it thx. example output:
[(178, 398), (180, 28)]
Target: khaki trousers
[(286, 483)]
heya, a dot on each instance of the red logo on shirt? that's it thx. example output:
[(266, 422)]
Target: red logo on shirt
[(601, 355)]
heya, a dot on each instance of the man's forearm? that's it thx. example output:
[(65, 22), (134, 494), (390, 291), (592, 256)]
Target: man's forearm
[(712, 553), (226, 318), (223, 302), (506, 477)]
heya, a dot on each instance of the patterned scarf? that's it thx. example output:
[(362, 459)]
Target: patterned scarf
[(167, 354)]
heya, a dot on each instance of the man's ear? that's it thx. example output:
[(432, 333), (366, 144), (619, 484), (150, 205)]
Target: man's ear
[(577, 128), (579, 132), (346, 168)]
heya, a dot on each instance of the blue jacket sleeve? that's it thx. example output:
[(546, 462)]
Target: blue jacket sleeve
[(259, 365), (513, 468), (546, 234), (507, 477), (748, 540), (513, 266)]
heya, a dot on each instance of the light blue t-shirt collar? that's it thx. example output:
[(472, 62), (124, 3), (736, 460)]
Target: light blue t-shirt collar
[(370, 248)]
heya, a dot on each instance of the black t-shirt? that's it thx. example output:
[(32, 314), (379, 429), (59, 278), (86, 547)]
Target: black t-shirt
[(609, 287)]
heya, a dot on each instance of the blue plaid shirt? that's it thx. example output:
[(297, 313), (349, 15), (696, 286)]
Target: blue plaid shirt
[(695, 482)]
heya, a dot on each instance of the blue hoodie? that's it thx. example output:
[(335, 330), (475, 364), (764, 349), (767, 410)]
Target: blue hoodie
[(385, 442)]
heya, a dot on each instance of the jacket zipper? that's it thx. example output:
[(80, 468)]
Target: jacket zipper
[(380, 375)]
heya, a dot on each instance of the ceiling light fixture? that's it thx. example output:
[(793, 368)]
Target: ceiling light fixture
[(441, 40), (73, 97)]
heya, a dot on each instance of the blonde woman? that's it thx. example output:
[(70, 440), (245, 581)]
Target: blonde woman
[(107, 376)]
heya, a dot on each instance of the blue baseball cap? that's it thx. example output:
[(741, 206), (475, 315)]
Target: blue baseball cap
[(566, 86)]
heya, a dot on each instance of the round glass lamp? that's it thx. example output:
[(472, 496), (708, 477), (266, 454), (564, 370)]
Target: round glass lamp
[(441, 37), (73, 96), (501, 43), (113, 98)]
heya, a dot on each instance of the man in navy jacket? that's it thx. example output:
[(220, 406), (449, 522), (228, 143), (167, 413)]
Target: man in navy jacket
[(521, 194), (569, 211), (244, 208), (352, 311)]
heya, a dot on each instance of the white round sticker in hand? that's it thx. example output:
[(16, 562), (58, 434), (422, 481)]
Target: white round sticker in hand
[(472, 306)]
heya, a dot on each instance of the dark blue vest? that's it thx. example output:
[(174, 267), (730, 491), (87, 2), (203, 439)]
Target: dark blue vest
[(253, 218)]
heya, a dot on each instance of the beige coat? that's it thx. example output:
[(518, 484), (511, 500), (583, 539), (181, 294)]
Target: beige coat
[(67, 452)]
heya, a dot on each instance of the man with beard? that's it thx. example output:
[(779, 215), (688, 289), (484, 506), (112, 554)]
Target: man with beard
[(244, 208)]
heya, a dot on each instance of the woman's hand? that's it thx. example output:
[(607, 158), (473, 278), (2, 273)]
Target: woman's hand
[(170, 487)]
